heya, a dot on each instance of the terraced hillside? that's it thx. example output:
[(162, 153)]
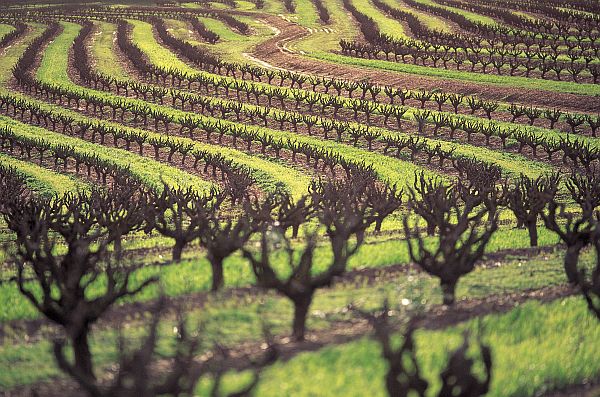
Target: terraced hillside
[(300, 198)]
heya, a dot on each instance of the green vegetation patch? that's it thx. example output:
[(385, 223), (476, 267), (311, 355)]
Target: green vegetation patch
[(41, 180), (536, 347)]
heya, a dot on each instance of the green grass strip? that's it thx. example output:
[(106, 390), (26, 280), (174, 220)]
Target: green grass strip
[(509, 163), (231, 42), (307, 14), (5, 29), (103, 50), (501, 81), (9, 58), (273, 7), (472, 16), (151, 47), (269, 174), (193, 274), (222, 29), (150, 171), (535, 347), (431, 21), (385, 23), (142, 35), (341, 24), (239, 319), (41, 180), (320, 45)]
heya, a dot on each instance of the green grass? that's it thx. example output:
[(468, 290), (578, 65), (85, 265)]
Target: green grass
[(5, 29), (239, 319), (524, 15), (194, 275), (385, 258), (219, 27), (231, 45), (307, 14), (491, 79), (268, 173), (535, 347), (385, 23), (385, 166), (476, 17), (510, 162), (219, 6), (142, 36), (150, 171), (10, 56), (41, 180), (320, 46), (244, 5), (340, 22), (213, 5), (103, 50), (431, 21), (273, 7), (186, 280), (472, 16), (189, 5), (327, 42)]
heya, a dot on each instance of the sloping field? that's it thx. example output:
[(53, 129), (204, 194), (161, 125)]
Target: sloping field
[(300, 198)]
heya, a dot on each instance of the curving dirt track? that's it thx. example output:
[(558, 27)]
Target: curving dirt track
[(275, 53)]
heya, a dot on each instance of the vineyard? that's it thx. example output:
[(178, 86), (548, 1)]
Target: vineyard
[(300, 198)]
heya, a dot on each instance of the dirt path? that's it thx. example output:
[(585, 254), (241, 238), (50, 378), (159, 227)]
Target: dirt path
[(276, 53)]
